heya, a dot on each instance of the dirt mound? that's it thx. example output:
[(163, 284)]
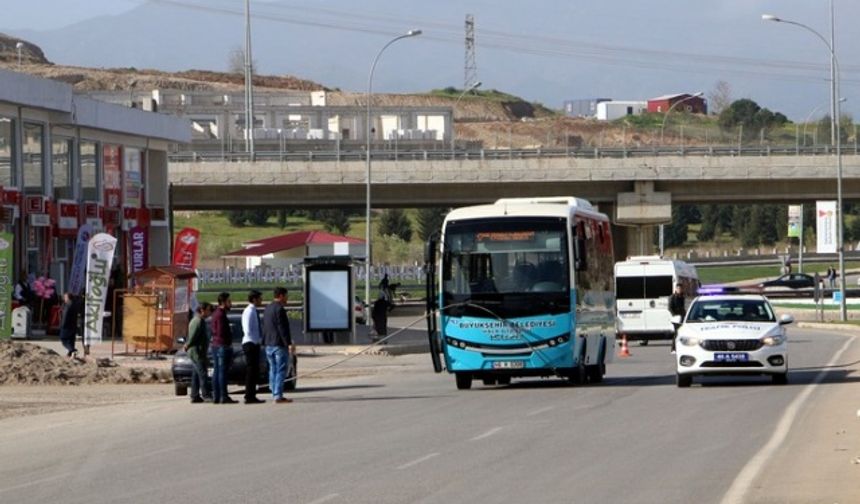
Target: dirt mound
[(24, 363)]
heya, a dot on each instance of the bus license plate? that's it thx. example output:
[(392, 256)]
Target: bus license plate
[(516, 364), (731, 357)]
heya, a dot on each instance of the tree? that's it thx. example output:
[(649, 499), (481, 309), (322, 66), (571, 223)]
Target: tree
[(334, 221), (429, 221), (720, 97), (710, 220), (675, 233), (846, 129), (751, 116), (236, 218), (236, 61), (395, 222), (239, 218)]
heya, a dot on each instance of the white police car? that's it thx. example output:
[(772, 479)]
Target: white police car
[(732, 334)]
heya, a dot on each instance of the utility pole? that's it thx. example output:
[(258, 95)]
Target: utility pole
[(249, 85), (470, 73)]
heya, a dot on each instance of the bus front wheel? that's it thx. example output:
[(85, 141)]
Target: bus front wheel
[(464, 381)]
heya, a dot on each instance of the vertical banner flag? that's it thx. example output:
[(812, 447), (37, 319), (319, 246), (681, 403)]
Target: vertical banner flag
[(79, 260), (138, 244), (825, 217), (185, 248), (794, 221), (99, 258), (6, 284)]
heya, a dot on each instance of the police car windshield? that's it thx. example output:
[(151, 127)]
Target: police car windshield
[(745, 310)]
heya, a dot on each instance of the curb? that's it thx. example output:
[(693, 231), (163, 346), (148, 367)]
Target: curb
[(379, 350), (834, 326)]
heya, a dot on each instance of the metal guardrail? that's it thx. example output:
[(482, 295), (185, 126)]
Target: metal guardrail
[(499, 154)]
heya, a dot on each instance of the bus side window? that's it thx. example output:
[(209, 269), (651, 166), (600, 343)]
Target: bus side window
[(579, 248)]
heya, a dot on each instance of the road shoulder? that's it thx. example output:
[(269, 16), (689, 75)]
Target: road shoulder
[(820, 461)]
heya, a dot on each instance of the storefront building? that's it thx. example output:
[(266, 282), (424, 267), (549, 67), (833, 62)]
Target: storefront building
[(68, 160)]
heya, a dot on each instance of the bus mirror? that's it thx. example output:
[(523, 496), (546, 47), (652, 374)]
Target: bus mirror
[(579, 263), (430, 251)]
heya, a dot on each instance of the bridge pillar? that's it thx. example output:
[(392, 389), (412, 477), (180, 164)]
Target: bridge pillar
[(636, 215)]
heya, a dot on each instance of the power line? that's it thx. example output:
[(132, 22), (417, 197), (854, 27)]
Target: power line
[(650, 59)]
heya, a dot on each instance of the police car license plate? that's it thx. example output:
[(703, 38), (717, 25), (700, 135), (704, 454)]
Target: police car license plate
[(731, 357), (516, 364)]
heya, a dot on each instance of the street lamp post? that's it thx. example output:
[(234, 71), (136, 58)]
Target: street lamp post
[(473, 87), (369, 261), (662, 129), (19, 47), (836, 136), (666, 115)]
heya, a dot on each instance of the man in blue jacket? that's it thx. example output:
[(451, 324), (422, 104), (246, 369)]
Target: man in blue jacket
[(279, 343)]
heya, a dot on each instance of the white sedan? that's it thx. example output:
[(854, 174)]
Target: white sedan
[(732, 334)]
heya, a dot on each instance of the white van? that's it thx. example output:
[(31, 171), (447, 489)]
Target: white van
[(643, 285)]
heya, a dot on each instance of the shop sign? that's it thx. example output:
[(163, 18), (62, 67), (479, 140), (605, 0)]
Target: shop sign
[(133, 180), (112, 176), (35, 204), (138, 240), (68, 217), (40, 220)]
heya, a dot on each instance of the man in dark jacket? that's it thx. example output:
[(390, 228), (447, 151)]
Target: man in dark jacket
[(222, 349), (198, 349), (69, 324), (279, 343), (677, 306)]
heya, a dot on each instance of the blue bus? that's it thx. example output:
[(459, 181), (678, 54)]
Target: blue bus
[(522, 287)]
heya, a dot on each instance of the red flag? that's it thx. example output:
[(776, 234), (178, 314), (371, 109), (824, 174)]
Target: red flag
[(185, 248)]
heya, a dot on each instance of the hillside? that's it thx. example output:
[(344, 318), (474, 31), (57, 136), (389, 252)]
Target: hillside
[(490, 118)]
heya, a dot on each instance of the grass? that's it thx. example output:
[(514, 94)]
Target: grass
[(728, 274), (218, 237)]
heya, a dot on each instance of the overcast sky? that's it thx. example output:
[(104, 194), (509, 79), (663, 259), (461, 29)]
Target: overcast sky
[(543, 50)]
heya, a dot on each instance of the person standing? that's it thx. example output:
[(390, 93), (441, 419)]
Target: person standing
[(831, 277), (222, 349), (677, 307), (198, 351), (279, 343), (69, 324), (23, 293), (251, 345)]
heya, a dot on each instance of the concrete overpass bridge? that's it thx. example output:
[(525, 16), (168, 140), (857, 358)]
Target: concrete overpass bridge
[(634, 190)]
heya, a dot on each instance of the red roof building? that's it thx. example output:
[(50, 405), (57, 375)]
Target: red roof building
[(284, 250), (692, 104)]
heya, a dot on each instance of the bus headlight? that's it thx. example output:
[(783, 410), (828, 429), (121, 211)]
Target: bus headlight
[(689, 340)]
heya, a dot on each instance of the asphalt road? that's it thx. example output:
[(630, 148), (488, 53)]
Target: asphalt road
[(410, 436)]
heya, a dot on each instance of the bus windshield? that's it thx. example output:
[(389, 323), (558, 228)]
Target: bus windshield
[(498, 262)]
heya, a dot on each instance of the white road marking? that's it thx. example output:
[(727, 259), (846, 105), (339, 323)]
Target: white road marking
[(325, 498), (741, 485), (425, 458), (539, 411), (36, 482), (486, 434)]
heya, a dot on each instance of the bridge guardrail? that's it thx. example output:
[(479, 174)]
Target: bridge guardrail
[(498, 154)]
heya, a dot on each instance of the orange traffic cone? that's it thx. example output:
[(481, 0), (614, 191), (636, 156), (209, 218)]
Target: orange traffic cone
[(625, 350)]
